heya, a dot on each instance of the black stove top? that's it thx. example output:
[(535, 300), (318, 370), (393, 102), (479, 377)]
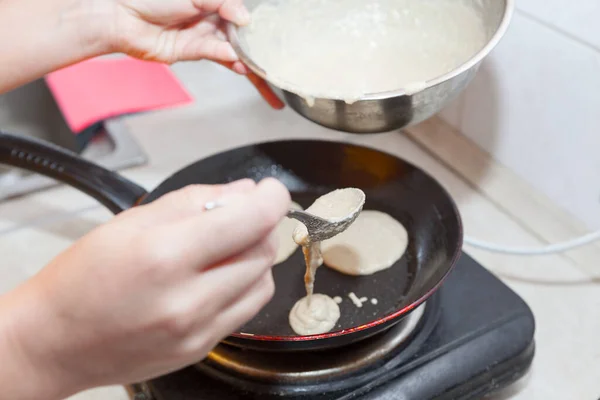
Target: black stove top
[(475, 337)]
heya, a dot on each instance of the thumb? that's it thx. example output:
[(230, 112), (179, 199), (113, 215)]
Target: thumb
[(231, 10), (235, 11)]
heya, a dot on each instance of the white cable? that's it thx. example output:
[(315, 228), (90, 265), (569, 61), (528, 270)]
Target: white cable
[(534, 251)]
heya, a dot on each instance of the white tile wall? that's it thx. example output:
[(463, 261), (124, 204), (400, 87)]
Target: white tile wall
[(578, 19), (535, 105)]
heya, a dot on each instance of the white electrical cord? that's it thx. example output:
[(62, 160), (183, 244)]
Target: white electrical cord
[(534, 251)]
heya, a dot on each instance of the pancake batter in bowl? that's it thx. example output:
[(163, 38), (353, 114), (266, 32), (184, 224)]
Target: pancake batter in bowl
[(346, 49), (318, 313)]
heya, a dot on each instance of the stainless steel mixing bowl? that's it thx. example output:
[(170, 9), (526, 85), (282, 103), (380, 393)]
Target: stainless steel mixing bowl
[(387, 111)]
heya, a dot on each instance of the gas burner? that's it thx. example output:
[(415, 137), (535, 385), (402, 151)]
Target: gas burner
[(474, 336), (317, 371)]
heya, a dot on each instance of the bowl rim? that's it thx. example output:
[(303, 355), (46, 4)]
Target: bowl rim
[(232, 33)]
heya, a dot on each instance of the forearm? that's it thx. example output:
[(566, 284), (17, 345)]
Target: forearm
[(39, 36), (28, 368)]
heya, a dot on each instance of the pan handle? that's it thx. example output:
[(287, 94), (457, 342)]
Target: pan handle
[(111, 189)]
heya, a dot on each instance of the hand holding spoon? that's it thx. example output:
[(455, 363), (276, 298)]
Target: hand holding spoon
[(329, 215)]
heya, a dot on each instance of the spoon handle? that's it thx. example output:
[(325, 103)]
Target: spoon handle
[(299, 215), (304, 217)]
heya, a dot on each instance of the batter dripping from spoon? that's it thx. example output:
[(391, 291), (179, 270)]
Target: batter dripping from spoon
[(318, 313)]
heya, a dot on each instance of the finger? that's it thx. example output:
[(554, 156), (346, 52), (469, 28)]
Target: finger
[(230, 320), (206, 47), (172, 12), (224, 232), (246, 308), (231, 280), (201, 296), (190, 40), (231, 10), (239, 68), (186, 202), (191, 200), (202, 26), (235, 66), (236, 12)]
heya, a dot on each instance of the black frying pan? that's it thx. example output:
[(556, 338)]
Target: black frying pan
[(309, 169)]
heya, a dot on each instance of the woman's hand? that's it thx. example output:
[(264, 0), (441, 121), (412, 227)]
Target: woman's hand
[(149, 292), (69, 31), (176, 30)]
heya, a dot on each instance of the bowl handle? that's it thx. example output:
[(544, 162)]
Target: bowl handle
[(111, 189)]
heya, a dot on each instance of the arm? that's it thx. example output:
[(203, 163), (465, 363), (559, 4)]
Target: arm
[(26, 371), (39, 36), (127, 303)]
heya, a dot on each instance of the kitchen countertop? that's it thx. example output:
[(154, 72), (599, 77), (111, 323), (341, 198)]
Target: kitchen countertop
[(562, 290)]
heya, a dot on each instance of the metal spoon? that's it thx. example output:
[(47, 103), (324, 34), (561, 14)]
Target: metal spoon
[(318, 228), (336, 210)]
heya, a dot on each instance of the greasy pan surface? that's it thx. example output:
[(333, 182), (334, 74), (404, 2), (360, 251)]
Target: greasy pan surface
[(310, 169)]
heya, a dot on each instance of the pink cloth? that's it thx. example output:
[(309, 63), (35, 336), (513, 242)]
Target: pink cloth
[(97, 89)]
